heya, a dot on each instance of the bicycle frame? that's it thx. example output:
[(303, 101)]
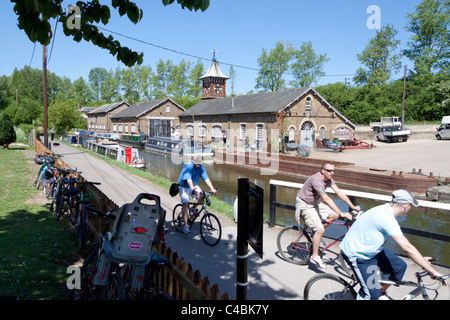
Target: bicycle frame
[(305, 229), (419, 287)]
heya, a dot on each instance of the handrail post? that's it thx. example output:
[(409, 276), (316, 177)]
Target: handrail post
[(272, 199), (242, 240)]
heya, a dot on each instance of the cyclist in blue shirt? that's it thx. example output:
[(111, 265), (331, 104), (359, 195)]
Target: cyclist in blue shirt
[(188, 180), (363, 246)]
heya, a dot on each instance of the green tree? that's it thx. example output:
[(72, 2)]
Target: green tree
[(97, 79), (7, 133), (379, 58), (161, 78), (178, 79), (195, 84), (273, 66), (63, 115), (81, 91), (233, 76), (308, 66), (429, 46), (34, 16)]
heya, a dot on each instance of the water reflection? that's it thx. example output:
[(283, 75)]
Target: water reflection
[(225, 180)]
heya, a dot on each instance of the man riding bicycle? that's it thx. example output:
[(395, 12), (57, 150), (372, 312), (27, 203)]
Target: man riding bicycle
[(188, 180), (363, 248), (312, 211)]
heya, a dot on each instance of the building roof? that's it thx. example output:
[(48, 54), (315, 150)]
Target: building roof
[(265, 102), (214, 72), (139, 108), (107, 107)]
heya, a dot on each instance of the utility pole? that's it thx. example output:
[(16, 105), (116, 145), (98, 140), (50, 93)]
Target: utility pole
[(403, 103), (44, 85)]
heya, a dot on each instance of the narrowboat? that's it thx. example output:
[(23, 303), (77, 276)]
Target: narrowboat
[(178, 147), (112, 150)]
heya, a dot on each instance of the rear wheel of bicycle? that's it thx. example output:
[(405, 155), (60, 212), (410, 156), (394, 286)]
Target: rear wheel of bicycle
[(114, 289), (177, 217), (327, 286), (47, 188), (86, 289), (210, 229), (59, 204), (82, 229), (294, 245), (39, 180)]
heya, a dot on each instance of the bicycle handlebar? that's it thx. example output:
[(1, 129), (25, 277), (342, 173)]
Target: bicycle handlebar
[(101, 213)]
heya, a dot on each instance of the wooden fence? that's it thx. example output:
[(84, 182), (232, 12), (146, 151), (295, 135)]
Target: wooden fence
[(177, 279)]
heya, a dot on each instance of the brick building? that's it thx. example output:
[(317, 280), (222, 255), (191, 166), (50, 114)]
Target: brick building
[(99, 119), (261, 119), (154, 118)]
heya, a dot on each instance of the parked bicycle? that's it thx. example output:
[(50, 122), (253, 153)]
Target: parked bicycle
[(45, 160), (119, 265), (325, 286), (77, 202), (210, 228), (99, 277), (63, 191), (294, 242)]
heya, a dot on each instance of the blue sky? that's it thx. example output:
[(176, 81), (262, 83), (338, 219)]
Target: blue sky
[(236, 29)]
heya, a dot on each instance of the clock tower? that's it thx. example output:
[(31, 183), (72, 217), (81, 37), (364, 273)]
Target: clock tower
[(213, 82)]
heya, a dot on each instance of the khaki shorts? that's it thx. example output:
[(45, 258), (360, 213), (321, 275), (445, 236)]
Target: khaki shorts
[(312, 214)]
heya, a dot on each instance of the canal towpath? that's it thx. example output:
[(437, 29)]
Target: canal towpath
[(270, 278)]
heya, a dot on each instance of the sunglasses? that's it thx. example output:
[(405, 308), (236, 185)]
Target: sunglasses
[(329, 170)]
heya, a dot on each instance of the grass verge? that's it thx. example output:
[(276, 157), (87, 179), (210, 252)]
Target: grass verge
[(35, 250)]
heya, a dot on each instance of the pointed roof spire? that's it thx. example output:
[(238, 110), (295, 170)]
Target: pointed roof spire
[(214, 70)]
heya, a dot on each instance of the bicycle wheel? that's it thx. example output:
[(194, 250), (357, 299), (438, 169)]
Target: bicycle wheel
[(177, 217), (47, 188), (210, 229), (87, 290), (114, 289), (294, 245), (82, 229), (59, 204), (39, 180), (327, 286)]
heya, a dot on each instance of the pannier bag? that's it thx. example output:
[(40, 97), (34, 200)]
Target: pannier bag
[(48, 173), (174, 189), (136, 228)]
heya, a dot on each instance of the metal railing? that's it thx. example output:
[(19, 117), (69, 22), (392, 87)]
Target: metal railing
[(354, 194)]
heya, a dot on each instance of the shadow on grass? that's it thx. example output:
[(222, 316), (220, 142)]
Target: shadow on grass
[(35, 254)]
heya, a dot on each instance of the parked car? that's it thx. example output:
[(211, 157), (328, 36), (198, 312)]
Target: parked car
[(443, 132)]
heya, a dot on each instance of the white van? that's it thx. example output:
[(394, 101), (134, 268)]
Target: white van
[(443, 132)]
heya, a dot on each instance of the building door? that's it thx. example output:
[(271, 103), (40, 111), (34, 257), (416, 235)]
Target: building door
[(307, 134), (159, 128)]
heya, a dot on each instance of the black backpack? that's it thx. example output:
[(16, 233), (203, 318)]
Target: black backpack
[(173, 191)]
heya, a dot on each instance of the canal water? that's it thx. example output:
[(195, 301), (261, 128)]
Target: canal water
[(225, 180)]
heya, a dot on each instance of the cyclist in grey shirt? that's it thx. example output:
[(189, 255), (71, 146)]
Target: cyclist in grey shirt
[(312, 211)]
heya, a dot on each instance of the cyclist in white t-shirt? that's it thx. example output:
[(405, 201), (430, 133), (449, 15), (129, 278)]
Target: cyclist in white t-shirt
[(363, 248)]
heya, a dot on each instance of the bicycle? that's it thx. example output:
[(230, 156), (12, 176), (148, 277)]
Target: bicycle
[(77, 201), (99, 277), (295, 243), (326, 286), (149, 289), (45, 160), (124, 253), (63, 191), (210, 228)]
